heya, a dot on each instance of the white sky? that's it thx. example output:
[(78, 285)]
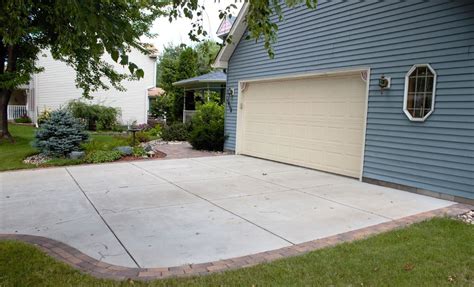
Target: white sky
[(176, 32)]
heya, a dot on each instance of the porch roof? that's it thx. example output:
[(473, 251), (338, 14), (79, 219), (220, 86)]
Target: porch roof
[(209, 80)]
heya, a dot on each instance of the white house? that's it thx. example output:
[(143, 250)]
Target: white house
[(56, 86)]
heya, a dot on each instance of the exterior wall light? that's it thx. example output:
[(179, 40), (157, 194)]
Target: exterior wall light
[(229, 96), (384, 83)]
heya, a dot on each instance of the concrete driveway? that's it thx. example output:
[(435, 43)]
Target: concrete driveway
[(172, 212)]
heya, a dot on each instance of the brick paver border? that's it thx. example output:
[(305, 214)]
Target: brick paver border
[(87, 264)]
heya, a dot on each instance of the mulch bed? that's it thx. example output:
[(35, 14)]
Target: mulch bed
[(158, 155)]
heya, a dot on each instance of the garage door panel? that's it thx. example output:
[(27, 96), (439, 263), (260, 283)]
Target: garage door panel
[(313, 122)]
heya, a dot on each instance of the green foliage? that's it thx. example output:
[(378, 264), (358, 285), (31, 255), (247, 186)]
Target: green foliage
[(60, 134), (167, 69), (23, 120), (207, 128), (207, 52), (96, 117), (175, 132), (12, 154), (138, 151), (99, 156), (43, 116), (140, 137), (104, 142), (155, 131), (33, 26), (187, 68), (161, 106)]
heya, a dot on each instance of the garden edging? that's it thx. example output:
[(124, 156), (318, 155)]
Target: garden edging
[(89, 265)]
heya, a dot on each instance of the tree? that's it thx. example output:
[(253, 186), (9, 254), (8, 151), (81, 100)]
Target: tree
[(167, 68), (207, 52), (187, 68), (80, 32)]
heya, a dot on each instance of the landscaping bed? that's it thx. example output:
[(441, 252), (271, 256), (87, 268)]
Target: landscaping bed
[(13, 155)]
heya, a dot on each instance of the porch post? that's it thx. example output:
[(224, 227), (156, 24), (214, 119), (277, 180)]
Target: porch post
[(184, 106)]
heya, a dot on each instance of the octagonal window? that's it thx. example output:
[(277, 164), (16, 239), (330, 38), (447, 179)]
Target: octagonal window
[(420, 86)]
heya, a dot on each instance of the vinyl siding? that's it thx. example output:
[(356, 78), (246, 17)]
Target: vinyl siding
[(55, 87), (388, 37)]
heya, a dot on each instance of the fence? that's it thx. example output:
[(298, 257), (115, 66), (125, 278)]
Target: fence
[(16, 111)]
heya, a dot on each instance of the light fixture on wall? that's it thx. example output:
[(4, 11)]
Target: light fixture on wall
[(229, 96), (384, 83)]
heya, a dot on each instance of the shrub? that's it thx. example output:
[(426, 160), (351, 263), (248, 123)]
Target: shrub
[(175, 132), (161, 106), (140, 137), (155, 131), (207, 128), (96, 117), (24, 119), (60, 134), (99, 156), (138, 151)]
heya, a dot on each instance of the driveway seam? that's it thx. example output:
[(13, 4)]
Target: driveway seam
[(344, 204), (215, 204), (300, 191), (102, 218)]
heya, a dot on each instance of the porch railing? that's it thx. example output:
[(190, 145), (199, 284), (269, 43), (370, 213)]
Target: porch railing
[(16, 111), (187, 115)]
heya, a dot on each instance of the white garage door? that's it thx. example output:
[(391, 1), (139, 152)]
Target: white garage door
[(314, 122)]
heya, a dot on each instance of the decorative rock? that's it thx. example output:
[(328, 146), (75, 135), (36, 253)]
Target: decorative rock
[(37, 159), (77, 154), (125, 150), (147, 147), (150, 153), (467, 217)]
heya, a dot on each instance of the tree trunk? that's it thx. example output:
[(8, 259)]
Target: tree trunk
[(4, 99)]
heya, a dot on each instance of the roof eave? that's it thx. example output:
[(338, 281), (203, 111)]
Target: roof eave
[(183, 84)]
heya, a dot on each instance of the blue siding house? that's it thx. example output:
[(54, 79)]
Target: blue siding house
[(382, 91)]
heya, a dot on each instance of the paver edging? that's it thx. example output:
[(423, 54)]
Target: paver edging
[(89, 265)]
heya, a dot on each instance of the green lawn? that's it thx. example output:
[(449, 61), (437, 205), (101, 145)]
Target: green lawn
[(439, 252), (13, 154)]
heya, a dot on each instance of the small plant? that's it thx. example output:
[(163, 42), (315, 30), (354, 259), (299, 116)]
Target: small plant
[(60, 134), (43, 116), (207, 132), (140, 137), (94, 145), (96, 117), (24, 119), (175, 132), (138, 151), (99, 156), (155, 131)]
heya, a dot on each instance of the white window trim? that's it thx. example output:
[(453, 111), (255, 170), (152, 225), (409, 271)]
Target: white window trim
[(405, 97)]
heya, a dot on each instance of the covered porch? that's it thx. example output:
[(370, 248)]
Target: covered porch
[(21, 104), (201, 89)]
